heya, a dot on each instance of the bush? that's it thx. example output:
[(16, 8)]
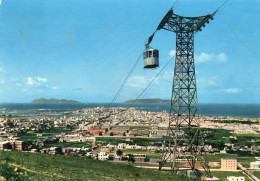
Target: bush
[(7, 171)]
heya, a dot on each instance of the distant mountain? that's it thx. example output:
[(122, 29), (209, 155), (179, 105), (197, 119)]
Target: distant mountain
[(147, 101), (42, 100)]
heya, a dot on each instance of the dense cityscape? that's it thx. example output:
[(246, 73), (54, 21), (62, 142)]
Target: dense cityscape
[(122, 135)]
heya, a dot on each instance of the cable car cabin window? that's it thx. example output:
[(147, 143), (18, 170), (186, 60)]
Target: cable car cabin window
[(155, 53), (150, 53), (145, 55)]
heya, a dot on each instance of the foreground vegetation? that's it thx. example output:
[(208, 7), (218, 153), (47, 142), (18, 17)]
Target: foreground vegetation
[(35, 166), (256, 173)]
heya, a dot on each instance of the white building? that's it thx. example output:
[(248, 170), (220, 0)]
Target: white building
[(233, 178), (121, 145), (88, 138), (77, 138), (223, 151), (255, 165), (103, 156)]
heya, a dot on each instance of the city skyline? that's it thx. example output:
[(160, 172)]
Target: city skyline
[(84, 50)]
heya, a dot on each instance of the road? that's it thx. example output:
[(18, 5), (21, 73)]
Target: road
[(245, 171)]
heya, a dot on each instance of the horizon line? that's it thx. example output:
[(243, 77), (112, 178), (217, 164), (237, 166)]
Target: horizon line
[(122, 103)]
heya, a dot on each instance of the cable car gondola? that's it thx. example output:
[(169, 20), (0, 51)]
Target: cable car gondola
[(151, 58)]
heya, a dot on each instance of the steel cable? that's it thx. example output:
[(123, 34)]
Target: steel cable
[(152, 81), (123, 84)]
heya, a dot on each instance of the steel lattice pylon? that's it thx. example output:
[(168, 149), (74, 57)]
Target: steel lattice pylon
[(184, 141)]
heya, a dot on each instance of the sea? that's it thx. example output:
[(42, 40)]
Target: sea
[(58, 109)]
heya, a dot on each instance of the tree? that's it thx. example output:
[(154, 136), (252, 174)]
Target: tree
[(131, 158), (119, 152)]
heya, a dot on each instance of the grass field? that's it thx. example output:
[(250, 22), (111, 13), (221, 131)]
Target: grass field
[(256, 173), (138, 151), (217, 158), (246, 159), (35, 166), (248, 135), (27, 136)]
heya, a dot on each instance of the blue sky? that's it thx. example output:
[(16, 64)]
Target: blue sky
[(84, 49)]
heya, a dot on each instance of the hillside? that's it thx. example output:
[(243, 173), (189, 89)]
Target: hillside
[(42, 100), (36, 166), (147, 101)]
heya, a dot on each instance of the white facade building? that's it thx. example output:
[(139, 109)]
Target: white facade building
[(121, 145), (103, 156), (255, 165), (233, 178)]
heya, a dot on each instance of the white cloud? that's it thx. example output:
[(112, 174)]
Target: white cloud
[(205, 57), (208, 81), (19, 84), (222, 57), (231, 90), (41, 79), (30, 81), (2, 70), (24, 90), (167, 75), (36, 81), (172, 53), (138, 81), (55, 88)]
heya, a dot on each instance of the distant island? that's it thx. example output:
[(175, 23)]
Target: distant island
[(147, 101), (42, 100)]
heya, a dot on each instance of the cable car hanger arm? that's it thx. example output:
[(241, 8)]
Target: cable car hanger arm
[(171, 21)]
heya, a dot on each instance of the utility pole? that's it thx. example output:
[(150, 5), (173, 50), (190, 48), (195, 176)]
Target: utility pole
[(184, 142)]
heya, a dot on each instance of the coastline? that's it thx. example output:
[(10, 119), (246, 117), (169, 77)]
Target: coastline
[(205, 109)]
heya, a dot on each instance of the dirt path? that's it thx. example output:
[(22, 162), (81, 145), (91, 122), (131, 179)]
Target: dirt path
[(33, 171)]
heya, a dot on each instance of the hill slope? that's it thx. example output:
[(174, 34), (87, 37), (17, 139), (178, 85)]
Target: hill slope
[(36, 166)]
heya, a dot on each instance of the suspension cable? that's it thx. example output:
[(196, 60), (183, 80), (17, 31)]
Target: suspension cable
[(222, 5), (174, 4), (126, 79), (151, 81), (152, 85)]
